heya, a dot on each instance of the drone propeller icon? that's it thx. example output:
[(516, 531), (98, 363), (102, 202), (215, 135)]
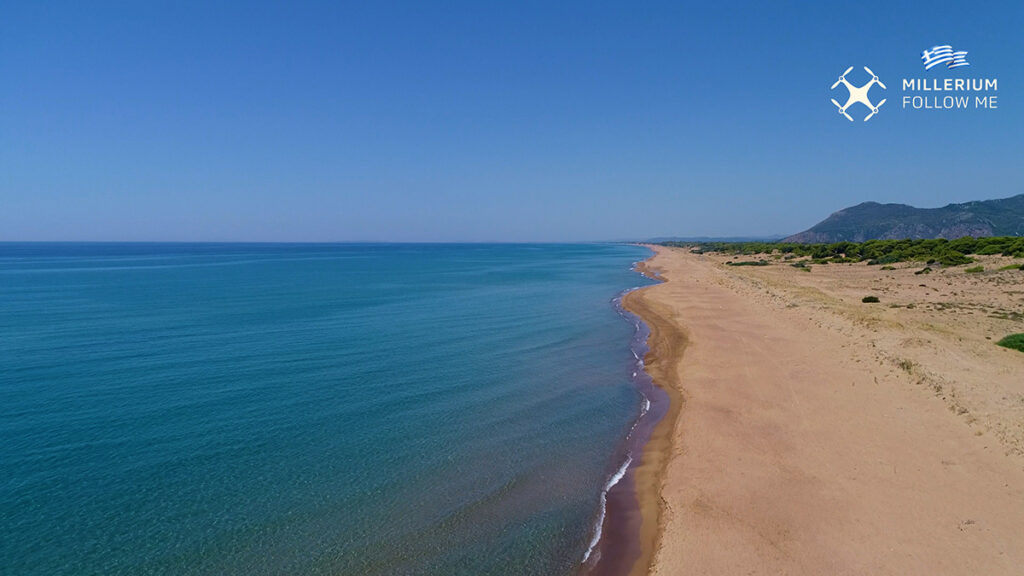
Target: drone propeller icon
[(858, 94)]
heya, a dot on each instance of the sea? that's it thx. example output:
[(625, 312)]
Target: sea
[(335, 409)]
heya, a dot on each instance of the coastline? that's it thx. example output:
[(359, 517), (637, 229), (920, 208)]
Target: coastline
[(666, 343), (798, 443), (623, 537), (616, 543)]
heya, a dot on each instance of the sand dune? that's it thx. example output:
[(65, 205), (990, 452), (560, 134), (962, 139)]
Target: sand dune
[(820, 435)]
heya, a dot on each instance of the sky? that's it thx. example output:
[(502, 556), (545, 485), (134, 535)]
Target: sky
[(485, 121)]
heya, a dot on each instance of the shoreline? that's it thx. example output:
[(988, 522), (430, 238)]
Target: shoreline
[(620, 536), (666, 343), (824, 435), (616, 544)]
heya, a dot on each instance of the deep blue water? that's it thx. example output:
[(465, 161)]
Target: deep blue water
[(309, 409)]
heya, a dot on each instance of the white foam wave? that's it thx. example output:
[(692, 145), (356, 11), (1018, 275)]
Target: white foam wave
[(644, 408), (604, 505)]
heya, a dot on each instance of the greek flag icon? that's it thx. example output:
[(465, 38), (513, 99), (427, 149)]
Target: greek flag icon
[(944, 55)]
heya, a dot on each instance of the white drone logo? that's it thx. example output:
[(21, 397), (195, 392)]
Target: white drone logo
[(858, 94)]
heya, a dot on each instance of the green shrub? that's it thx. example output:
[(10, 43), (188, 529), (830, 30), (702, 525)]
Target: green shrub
[(888, 267), (1013, 267), (875, 252), (954, 258), (925, 270), (748, 263), (869, 299), (1013, 341), (975, 270), (990, 249)]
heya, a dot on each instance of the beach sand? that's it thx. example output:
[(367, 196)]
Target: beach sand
[(811, 433)]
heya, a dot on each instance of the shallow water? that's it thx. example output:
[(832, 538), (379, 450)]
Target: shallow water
[(309, 409)]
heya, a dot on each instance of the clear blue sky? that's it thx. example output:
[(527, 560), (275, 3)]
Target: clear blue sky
[(474, 121)]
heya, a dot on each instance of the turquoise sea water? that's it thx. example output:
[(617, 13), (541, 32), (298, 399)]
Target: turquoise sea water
[(309, 409)]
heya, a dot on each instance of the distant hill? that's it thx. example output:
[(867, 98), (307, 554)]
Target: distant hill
[(874, 221)]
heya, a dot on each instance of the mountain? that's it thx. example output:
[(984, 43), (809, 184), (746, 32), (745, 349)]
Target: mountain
[(871, 221)]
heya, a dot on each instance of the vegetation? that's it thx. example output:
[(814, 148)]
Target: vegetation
[(748, 263), (952, 258), (1013, 267), (871, 220), (874, 252), (975, 270), (1013, 341), (869, 299)]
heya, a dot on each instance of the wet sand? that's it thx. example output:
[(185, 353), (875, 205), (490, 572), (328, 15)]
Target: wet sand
[(810, 433), (619, 545)]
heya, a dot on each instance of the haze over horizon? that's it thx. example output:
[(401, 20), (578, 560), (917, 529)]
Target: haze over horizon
[(407, 122)]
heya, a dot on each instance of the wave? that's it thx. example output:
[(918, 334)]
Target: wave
[(645, 406), (604, 505), (638, 348)]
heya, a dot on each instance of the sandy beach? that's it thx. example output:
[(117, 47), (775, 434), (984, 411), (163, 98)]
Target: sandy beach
[(811, 433)]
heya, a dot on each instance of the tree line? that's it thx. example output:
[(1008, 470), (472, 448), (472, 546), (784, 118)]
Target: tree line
[(932, 251)]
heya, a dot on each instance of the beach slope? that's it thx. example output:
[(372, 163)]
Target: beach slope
[(806, 438)]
